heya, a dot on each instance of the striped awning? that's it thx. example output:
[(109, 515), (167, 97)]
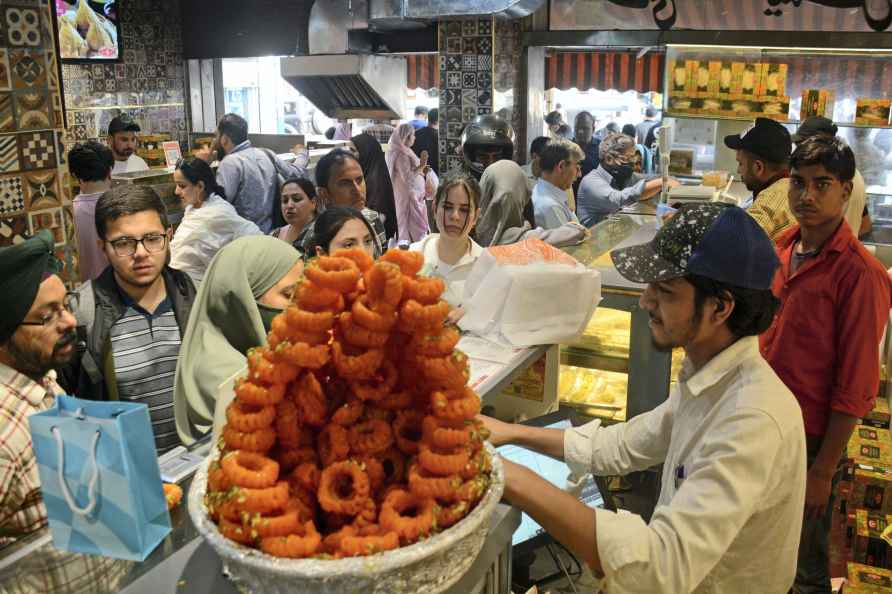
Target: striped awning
[(422, 71), (605, 70)]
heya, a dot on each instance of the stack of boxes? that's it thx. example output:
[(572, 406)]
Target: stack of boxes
[(864, 507), (730, 89)]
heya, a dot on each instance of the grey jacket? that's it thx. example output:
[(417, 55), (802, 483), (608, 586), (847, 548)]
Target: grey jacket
[(599, 196), (250, 177)]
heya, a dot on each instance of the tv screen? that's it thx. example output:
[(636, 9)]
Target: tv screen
[(89, 30)]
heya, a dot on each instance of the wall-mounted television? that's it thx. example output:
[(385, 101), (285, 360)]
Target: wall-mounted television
[(89, 30)]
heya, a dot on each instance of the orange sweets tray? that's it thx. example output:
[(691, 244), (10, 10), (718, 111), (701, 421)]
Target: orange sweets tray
[(354, 431)]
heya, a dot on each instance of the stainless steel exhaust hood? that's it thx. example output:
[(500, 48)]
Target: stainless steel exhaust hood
[(345, 85), (350, 86)]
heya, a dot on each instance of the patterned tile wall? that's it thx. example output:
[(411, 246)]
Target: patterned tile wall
[(466, 82), (31, 125), (508, 81), (148, 83)]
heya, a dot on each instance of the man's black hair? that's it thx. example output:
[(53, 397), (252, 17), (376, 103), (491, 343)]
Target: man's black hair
[(235, 127), (754, 309), (125, 200)]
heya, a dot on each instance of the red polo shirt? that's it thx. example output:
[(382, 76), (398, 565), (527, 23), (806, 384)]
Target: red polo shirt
[(824, 342)]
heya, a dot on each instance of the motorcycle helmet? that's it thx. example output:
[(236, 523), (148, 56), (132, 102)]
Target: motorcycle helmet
[(487, 139)]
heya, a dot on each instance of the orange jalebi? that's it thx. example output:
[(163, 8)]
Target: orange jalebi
[(339, 405)]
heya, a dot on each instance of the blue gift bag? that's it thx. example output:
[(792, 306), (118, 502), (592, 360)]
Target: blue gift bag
[(100, 479)]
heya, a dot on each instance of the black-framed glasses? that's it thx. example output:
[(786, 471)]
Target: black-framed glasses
[(126, 246), (69, 304)]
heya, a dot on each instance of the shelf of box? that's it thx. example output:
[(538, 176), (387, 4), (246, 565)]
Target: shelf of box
[(755, 115)]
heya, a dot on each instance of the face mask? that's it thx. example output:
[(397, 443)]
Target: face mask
[(620, 173), (267, 314)]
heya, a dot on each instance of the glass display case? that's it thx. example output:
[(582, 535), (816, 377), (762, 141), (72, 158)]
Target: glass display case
[(612, 371), (714, 91)]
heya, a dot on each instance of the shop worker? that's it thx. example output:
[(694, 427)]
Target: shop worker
[(729, 436), (584, 136), (763, 155), (250, 176), (340, 181), (559, 166), (122, 142), (131, 318), (533, 169), (36, 335), (614, 184), (824, 343), (856, 214), (91, 164)]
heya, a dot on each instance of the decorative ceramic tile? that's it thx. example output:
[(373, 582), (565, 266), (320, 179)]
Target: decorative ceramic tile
[(9, 154), (469, 62), (5, 81), (52, 70), (50, 219), (12, 200), (42, 190), (7, 117), (22, 26), (468, 113), (469, 80), (452, 97), (37, 150), (60, 148), (469, 45), (484, 62), (453, 45), (484, 27), (13, 230), (33, 109), (28, 69), (469, 28), (453, 80)]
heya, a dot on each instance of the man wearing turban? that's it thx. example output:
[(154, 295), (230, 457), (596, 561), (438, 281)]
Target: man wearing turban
[(36, 335)]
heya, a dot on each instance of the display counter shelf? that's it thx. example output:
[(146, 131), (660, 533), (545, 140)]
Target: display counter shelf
[(184, 562), (612, 371)]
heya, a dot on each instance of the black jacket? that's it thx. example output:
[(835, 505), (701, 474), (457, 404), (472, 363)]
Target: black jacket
[(99, 307), (428, 139)]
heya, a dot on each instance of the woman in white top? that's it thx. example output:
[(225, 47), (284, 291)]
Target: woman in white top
[(451, 253), (209, 223)]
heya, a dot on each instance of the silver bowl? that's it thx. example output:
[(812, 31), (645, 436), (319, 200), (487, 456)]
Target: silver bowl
[(426, 567)]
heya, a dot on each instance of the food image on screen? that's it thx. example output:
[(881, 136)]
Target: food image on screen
[(87, 29)]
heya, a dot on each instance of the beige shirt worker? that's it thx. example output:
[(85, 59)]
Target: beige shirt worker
[(729, 515), (771, 209), (454, 276), (857, 201)]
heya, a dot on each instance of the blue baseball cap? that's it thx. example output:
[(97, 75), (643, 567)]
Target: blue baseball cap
[(712, 239)]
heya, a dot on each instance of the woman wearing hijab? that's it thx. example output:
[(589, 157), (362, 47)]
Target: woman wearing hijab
[(378, 188), (504, 195), (247, 284), (408, 174)]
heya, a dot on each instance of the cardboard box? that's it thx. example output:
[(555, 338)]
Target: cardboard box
[(869, 548), (749, 80), (773, 81), (871, 447), (879, 416), (873, 112), (715, 77), (678, 77), (863, 579), (736, 89), (777, 108), (817, 102), (871, 488), (690, 87)]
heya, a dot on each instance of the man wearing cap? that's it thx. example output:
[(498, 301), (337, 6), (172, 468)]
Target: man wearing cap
[(763, 151), (856, 207), (824, 343), (122, 142), (36, 336), (729, 436)]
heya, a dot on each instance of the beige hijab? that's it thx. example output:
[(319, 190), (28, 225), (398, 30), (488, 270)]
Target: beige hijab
[(504, 195)]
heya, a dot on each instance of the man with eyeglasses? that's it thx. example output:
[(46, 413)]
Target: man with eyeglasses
[(131, 318), (36, 336), (614, 184), (559, 164)]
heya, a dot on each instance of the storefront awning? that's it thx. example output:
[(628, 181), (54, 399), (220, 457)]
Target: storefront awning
[(605, 70), (423, 71)]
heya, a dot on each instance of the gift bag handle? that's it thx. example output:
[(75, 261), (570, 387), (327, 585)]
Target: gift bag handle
[(91, 487)]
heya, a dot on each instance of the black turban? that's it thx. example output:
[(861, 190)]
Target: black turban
[(22, 268)]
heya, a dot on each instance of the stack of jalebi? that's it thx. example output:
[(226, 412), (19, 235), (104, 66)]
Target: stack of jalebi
[(354, 431)]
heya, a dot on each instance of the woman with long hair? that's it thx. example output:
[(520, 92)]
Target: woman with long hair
[(378, 187), (209, 221), (299, 209), (341, 227)]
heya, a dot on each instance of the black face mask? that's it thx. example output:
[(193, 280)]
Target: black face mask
[(620, 173)]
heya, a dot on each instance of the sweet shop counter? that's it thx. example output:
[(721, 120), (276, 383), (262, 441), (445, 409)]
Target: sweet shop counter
[(612, 371)]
